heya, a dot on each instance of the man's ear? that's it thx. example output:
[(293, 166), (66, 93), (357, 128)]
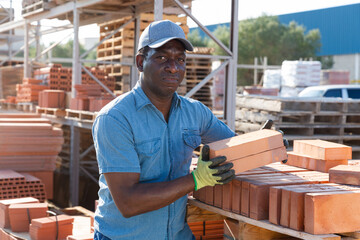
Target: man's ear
[(140, 62)]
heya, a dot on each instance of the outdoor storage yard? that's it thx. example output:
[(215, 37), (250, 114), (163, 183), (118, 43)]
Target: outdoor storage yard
[(49, 175)]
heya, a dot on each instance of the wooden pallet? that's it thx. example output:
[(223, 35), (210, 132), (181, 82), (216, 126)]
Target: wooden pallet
[(80, 115), (57, 112), (257, 226)]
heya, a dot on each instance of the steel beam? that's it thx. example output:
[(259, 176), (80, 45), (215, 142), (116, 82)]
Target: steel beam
[(76, 66), (74, 165), (231, 83), (158, 10), (26, 51)]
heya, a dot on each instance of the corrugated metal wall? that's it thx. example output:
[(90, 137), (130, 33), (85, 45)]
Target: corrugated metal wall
[(339, 27)]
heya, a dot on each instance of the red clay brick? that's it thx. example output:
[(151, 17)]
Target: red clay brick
[(20, 214), (246, 144), (320, 149), (227, 196), (300, 160), (260, 159), (4, 209), (345, 174), (343, 217)]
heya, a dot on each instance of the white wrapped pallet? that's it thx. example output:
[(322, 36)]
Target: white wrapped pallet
[(300, 73), (272, 79)]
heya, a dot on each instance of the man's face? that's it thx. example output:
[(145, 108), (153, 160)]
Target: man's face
[(163, 69)]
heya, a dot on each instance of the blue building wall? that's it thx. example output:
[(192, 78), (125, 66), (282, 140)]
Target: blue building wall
[(339, 28)]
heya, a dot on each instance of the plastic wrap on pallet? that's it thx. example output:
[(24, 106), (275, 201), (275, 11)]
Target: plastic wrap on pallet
[(300, 73), (272, 78)]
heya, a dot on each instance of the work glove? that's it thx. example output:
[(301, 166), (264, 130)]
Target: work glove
[(211, 171)]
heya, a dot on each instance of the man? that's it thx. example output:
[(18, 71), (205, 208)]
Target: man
[(144, 141)]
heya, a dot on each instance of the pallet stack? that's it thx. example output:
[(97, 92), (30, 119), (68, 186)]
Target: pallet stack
[(10, 76), (327, 119), (296, 197), (120, 47), (196, 70)]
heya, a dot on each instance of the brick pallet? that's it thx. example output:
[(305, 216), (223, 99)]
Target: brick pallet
[(57, 77), (296, 198), (328, 119)]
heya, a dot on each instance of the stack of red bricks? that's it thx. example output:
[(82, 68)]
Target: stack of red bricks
[(29, 215), (16, 185), (9, 99), (52, 99), (295, 197), (97, 103), (55, 227), (29, 90), (82, 102), (30, 144), (318, 155), (57, 77), (204, 230)]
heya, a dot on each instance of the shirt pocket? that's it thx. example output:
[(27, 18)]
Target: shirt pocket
[(149, 158), (192, 140)]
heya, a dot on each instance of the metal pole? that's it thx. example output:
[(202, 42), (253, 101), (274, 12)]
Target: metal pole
[(26, 50), (76, 67), (231, 83), (158, 10), (75, 134), (255, 70), (357, 67), (134, 71), (37, 37), (11, 31), (74, 165)]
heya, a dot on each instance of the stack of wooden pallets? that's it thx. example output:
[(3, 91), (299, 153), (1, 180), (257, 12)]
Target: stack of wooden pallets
[(328, 119), (196, 70)]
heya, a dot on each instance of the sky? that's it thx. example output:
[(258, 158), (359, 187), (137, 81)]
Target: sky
[(210, 12)]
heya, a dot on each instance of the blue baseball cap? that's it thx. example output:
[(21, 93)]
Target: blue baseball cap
[(160, 32)]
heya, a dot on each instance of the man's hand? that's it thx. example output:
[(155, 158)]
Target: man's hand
[(210, 171)]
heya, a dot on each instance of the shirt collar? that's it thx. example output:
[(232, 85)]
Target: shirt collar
[(142, 100)]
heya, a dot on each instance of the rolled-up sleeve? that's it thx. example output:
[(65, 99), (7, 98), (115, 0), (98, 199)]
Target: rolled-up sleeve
[(114, 145)]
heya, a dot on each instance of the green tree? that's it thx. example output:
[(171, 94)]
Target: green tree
[(266, 36), (196, 40)]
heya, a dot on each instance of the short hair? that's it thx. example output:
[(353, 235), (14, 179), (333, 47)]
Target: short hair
[(143, 51)]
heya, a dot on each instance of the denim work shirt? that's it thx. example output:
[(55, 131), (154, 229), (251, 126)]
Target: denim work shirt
[(131, 135)]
